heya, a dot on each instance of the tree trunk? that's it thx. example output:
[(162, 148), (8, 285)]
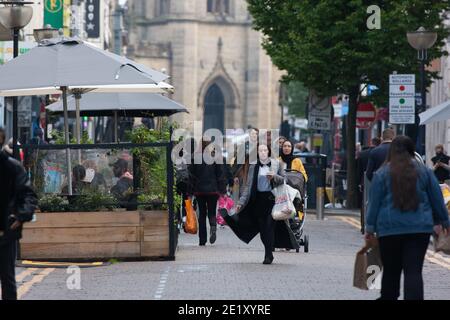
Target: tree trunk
[(352, 188)]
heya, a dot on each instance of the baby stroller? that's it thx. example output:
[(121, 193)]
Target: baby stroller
[(297, 238)]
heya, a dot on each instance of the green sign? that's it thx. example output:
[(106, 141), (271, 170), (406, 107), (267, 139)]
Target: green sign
[(53, 13)]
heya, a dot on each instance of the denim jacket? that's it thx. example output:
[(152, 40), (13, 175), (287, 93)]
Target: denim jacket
[(385, 220)]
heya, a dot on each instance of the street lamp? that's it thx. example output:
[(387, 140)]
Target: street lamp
[(15, 15), (46, 33), (422, 40)]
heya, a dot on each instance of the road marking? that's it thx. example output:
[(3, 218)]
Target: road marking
[(431, 256), (162, 284), (23, 289), (24, 274)]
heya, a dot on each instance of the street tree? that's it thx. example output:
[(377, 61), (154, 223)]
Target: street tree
[(338, 46)]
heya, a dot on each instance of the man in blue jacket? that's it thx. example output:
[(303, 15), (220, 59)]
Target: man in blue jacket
[(378, 155)]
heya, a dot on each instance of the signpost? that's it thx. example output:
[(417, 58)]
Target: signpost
[(402, 96), (319, 116), (365, 115)]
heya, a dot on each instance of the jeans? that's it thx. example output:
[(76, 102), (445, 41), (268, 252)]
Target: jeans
[(8, 253), (403, 253), (207, 205)]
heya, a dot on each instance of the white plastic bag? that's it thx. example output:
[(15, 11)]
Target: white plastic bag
[(284, 202)]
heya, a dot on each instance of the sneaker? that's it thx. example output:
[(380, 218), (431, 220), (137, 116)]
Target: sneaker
[(213, 236)]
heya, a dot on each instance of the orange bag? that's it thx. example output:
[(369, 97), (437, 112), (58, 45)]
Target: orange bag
[(191, 218)]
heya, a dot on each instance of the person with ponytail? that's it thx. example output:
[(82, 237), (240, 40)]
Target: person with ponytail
[(405, 203)]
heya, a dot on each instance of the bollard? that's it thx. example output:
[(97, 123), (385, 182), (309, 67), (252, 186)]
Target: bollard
[(320, 199)]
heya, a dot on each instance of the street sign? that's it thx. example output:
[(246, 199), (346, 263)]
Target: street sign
[(402, 98), (402, 79), (319, 116), (93, 18), (365, 115), (54, 13)]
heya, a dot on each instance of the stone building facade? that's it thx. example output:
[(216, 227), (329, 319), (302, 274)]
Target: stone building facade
[(215, 59)]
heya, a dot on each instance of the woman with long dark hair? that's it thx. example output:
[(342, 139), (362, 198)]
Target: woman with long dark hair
[(405, 203)]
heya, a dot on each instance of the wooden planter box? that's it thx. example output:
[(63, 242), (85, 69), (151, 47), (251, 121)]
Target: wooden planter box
[(134, 235)]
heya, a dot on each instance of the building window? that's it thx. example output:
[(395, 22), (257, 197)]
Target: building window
[(219, 7), (162, 7)]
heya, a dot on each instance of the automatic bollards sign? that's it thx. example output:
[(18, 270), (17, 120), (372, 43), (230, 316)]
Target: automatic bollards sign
[(402, 104), (93, 18)]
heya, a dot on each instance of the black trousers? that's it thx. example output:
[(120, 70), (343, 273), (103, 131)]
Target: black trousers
[(264, 203), (403, 253), (207, 206), (8, 253)]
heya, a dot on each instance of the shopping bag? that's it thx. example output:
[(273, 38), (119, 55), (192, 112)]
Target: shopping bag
[(442, 243), (367, 268), (284, 208), (191, 225), (225, 204)]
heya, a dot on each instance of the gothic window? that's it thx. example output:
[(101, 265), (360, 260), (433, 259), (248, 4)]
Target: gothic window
[(219, 7), (162, 7)]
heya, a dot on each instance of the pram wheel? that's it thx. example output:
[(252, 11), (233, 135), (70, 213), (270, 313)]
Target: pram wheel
[(306, 244), (297, 250)]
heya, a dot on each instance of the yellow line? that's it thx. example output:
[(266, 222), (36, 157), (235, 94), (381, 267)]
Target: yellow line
[(25, 274), (36, 279), (431, 256)]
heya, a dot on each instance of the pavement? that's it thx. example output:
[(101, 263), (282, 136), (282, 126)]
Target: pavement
[(231, 270)]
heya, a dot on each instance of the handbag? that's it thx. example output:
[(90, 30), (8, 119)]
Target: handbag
[(367, 267), (442, 243), (284, 208), (191, 225)]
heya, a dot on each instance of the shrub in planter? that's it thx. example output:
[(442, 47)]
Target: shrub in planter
[(53, 203)]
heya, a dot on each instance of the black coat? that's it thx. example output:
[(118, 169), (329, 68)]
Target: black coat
[(244, 223), (16, 198), (208, 178), (377, 157), (361, 164)]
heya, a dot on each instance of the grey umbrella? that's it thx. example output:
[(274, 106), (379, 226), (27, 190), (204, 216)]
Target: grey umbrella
[(69, 65), (121, 104)]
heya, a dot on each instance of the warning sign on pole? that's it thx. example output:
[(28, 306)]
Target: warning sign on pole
[(402, 104)]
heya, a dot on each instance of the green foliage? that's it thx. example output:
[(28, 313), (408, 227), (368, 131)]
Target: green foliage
[(153, 165), (88, 201), (53, 203), (327, 46), (298, 96), (91, 200), (60, 139)]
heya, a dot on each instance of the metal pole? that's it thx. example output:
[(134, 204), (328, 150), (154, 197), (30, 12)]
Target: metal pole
[(15, 102), (423, 92), (170, 198), (67, 141), (333, 184), (78, 122), (116, 136), (320, 191)]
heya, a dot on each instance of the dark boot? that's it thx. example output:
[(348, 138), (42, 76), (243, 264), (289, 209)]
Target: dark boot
[(213, 235)]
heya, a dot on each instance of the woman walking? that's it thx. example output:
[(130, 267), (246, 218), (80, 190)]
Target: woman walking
[(405, 203), (209, 183), (296, 177), (256, 202)]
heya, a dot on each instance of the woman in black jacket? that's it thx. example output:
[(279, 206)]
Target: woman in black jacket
[(209, 182)]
